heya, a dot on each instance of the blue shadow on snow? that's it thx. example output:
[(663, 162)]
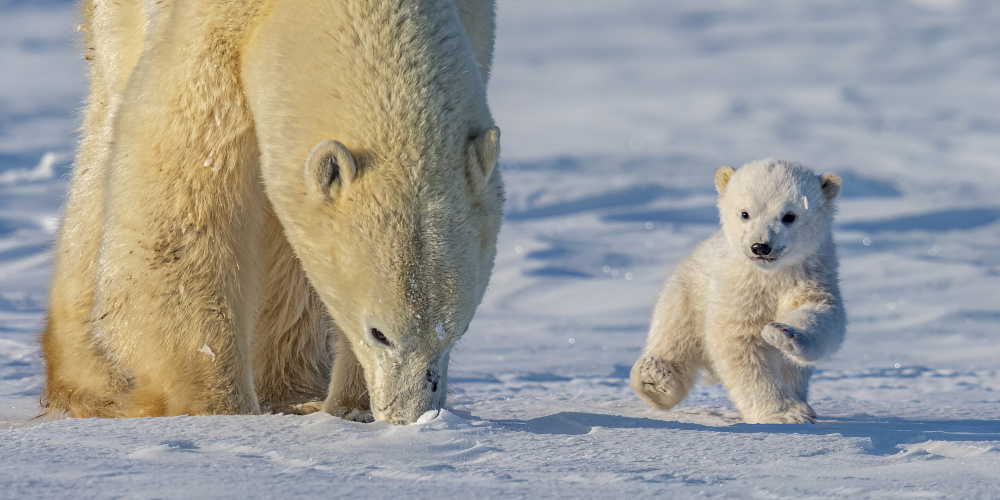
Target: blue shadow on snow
[(856, 186), (708, 214), (941, 221), (885, 433), (630, 196)]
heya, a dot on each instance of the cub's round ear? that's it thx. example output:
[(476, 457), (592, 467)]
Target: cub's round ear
[(329, 168), (483, 153), (722, 175), (831, 185)]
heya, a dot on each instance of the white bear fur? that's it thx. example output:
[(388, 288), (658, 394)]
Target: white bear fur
[(757, 323), (185, 285)]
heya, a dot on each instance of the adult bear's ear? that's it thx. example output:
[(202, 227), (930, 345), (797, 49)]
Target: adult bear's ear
[(722, 175), (830, 183), (329, 168), (484, 151)]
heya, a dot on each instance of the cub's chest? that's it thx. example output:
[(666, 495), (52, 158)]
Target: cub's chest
[(751, 294)]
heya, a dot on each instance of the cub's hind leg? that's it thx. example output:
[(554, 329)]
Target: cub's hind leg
[(796, 377), (751, 370)]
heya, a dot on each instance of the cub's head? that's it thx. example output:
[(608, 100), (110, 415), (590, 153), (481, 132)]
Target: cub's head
[(401, 255), (775, 212)]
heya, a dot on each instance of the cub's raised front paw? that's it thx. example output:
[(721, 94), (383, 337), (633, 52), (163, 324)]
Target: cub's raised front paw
[(657, 381), (786, 339), (796, 413)]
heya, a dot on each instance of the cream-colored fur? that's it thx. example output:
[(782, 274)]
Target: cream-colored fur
[(758, 320), (184, 284)]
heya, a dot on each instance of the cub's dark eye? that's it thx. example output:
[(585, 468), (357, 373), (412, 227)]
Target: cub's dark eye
[(788, 218), (379, 336), (744, 216)]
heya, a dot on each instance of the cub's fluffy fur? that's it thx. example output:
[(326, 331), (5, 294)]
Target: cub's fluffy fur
[(758, 303)]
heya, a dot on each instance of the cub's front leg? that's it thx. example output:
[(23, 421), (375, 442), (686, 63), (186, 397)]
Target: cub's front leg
[(794, 343), (662, 383), (668, 367), (811, 328), (751, 371)]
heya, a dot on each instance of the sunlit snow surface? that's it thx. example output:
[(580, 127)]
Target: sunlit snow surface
[(613, 116)]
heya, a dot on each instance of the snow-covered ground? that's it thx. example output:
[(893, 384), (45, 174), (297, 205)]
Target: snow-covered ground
[(613, 115)]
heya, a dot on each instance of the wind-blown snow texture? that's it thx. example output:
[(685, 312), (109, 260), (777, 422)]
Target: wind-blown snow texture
[(613, 115)]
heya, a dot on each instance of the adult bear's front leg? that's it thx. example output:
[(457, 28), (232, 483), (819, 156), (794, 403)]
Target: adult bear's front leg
[(348, 393), (175, 309), (175, 304), (347, 396), (178, 274)]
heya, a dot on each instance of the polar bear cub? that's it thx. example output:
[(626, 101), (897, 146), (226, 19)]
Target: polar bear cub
[(757, 305)]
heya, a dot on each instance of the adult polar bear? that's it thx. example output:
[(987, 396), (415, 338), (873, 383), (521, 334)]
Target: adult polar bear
[(185, 285)]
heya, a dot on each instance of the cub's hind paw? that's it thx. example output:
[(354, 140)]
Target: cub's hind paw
[(798, 413), (657, 381)]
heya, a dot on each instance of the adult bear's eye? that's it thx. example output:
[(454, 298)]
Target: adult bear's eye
[(788, 218), (744, 216), (379, 336)]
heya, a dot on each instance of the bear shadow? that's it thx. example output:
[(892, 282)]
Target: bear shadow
[(859, 186), (885, 434), (934, 222), (703, 215), (630, 196)]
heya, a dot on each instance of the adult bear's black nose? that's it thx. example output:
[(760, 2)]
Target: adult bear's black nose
[(760, 249), (432, 379)]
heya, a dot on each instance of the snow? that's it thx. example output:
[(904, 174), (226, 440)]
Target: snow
[(613, 116)]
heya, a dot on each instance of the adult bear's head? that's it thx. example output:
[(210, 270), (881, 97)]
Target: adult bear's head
[(378, 154)]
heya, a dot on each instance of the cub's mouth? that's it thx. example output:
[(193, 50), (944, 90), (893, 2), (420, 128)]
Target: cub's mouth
[(770, 258)]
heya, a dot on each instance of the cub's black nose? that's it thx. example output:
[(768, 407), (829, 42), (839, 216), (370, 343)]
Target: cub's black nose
[(760, 249)]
